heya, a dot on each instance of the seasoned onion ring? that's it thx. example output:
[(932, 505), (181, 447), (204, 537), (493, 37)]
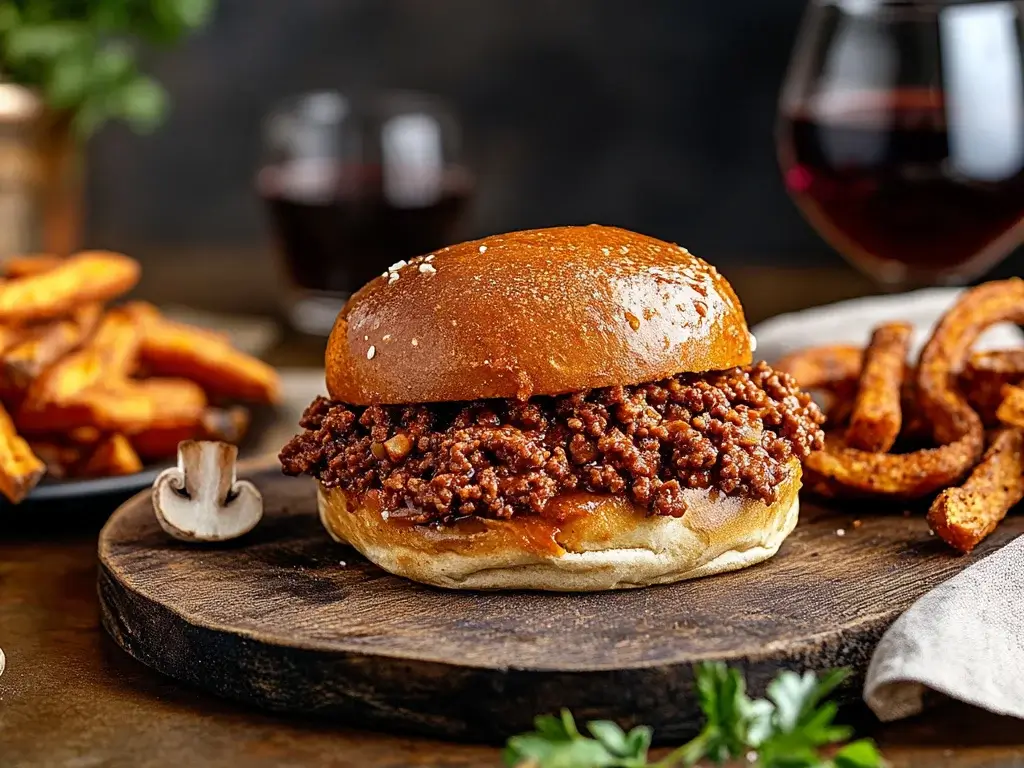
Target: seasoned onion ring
[(943, 356), (1011, 410), (841, 470), (833, 371), (984, 377), (823, 367)]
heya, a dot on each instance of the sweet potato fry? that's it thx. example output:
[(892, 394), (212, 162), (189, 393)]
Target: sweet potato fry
[(20, 469), (174, 349), (42, 346), (109, 355), (60, 460), (84, 435), (1011, 410), (112, 456), (227, 425), (87, 277), (964, 516), (10, 335), (876, 418), (30, 264), (132, 406), (162, 443), (54, 402)]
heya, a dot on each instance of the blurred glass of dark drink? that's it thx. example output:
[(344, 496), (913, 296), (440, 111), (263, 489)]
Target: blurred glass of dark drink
[(901, 134), (879, 175), (353, 185)]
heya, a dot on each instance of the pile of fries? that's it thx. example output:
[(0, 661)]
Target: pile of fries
[(949, 428), (90, 391)]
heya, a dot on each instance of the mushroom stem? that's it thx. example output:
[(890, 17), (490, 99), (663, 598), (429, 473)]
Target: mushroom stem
[(201, 499)]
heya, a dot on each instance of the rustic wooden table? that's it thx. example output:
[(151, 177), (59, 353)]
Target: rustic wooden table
[(70, 698)]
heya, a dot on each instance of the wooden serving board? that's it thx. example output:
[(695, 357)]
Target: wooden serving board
[(287, 620)]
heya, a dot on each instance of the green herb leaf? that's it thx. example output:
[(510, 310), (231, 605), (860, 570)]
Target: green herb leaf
[(610, 736), (784, 731), (556, 728), (631, 748), (557, 743), (858, 754), (723, 699), (638, 741)]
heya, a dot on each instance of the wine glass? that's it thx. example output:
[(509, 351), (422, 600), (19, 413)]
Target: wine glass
[(901, 134), (354, 183)]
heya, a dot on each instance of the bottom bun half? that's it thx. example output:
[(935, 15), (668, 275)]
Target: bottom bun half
[(606, 542)]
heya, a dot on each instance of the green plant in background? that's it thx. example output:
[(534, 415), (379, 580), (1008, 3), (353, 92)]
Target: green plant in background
[(80, 56), (786, 730)]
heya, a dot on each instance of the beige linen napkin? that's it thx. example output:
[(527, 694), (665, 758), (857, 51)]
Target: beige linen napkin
[(965, 638)]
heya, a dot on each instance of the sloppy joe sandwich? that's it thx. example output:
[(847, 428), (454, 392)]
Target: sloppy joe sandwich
[(572, 408)]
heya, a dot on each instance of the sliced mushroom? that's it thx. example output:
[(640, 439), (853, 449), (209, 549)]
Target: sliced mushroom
[(201, 500)]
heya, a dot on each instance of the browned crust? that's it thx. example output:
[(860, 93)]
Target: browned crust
[(964, 516), (877, 417), (539, 312)]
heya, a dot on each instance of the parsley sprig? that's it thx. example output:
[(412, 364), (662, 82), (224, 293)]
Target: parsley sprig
[(788, 729)]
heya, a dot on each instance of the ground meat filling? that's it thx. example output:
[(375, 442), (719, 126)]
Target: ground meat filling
[(733, 430)]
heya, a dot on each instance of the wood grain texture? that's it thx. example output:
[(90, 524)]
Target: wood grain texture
[(276, 620)]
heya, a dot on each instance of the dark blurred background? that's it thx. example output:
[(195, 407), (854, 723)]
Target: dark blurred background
[(656, 115)]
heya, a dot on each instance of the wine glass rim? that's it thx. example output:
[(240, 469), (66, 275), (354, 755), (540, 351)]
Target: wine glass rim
[(908, 6), (342, 100)]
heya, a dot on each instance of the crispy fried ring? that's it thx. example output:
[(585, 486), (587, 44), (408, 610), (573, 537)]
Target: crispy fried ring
[(823, 367), (943, 356), (833, 370), (877, 416), (964, 516), (843, 471), (984, 377), (1011, 410), (840, 470)]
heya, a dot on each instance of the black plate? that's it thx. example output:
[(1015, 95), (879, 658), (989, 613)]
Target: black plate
[(100, 486), (106, 493)]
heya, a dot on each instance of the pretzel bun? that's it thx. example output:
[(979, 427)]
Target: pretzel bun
[(606, 543), (539, 312)]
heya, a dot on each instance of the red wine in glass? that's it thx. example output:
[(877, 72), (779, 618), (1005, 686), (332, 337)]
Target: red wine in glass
[(913, 182), (353, 184), (335, 243)]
